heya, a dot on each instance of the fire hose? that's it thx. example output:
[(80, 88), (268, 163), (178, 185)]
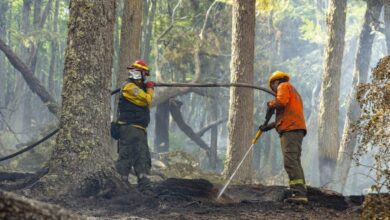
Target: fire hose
[(52, 133)]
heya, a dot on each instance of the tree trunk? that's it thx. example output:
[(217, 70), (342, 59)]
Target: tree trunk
[(81, 162), (25, 28), (241, 99), (32, 60), (161, 138), (328, 136), (54, 50), (3, 82), (213, 159), (149, 29), (131, 33), (387, 23), (360, 75)]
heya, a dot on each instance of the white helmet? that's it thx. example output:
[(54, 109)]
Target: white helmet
[(135, 74)]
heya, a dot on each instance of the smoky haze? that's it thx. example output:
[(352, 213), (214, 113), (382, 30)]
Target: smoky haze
[(289, 38)]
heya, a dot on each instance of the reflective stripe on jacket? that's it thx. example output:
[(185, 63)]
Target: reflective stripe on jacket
[(289, 109), (134, 104)]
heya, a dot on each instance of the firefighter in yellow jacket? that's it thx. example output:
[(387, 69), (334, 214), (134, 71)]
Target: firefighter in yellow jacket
[(133, 118)]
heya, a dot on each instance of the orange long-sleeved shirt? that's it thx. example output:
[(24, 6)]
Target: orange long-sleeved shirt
[(289, 109)]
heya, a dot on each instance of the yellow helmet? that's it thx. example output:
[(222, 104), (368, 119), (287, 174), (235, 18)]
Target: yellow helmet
[(278, 75)]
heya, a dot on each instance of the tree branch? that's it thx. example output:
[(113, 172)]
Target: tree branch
[(202, 131), (159, 77), (34, 84), (174, 108)]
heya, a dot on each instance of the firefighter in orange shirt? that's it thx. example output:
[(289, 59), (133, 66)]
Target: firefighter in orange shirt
[(290, 124)]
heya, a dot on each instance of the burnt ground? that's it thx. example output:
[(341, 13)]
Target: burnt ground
[(195, 199)]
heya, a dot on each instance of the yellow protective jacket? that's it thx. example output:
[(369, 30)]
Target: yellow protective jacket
[(134, 104)]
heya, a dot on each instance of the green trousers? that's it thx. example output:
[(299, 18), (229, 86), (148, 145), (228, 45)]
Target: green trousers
[(291, 143), (133, 151)]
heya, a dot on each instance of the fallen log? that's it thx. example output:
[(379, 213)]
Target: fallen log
[(13, 176), (17, 181), (185, 189), (13, 206)]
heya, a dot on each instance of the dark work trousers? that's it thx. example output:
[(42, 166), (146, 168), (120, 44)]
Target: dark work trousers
[(133, 151), (291, 142)]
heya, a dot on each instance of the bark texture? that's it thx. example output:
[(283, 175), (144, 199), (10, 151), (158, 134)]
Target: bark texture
[(240, 125), (328, 136), (360, 75), (80, 163)]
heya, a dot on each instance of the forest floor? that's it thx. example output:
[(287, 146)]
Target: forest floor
[(239, 202)]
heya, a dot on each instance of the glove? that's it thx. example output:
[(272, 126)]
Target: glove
[(269, 105), (150, 85), (265, 128)]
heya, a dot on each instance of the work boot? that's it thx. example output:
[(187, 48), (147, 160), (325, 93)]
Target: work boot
[(144, 185), (297, 197)]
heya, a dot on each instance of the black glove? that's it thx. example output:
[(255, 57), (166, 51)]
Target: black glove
[(265, 128)]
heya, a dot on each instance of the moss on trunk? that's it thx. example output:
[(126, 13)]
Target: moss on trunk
[(81, 163)]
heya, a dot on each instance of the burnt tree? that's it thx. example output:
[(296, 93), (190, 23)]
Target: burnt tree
[(240, 123), (80, 163)]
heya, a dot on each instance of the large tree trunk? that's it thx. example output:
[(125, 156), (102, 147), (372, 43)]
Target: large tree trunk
[(360, 74), (241, 99), (80, 163), (328, 136)]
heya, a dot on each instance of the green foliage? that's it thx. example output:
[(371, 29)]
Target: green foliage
[(373, 126), (312, 32)]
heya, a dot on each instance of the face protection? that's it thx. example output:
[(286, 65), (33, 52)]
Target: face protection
[(135, 74)]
